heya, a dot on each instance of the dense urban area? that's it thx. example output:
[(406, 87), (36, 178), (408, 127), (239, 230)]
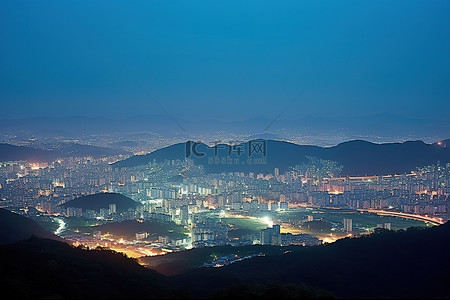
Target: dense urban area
[(173, 205)]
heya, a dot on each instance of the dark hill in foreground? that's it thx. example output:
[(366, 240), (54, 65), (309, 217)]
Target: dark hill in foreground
[(14, 227), (405, 264), (39, 268), (176, 263), (357, 157), (103, 200)]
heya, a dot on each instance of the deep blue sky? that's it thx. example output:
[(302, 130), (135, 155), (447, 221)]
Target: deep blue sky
[(224, 59)]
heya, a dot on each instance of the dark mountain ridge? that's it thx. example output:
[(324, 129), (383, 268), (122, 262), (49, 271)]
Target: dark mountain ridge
[(14, 227), (357, 157), (41, 268), (404, 264), (15, 153)]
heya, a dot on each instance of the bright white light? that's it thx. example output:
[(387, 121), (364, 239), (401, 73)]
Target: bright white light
[(268, 221), (61, 227)]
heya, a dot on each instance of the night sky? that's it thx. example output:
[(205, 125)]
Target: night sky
[(224, 59)]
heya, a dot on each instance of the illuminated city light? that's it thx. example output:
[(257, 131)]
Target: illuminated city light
[(61, 226), (267, 221)]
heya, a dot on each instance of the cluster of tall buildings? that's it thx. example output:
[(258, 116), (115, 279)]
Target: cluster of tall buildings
[(180, 191), (271, 236), (424, 191)]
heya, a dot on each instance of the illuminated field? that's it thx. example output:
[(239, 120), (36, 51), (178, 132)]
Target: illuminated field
[(245, 223)]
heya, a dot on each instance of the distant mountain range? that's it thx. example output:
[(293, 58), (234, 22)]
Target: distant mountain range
[(14, 227), (15, 153), (387, 125), (357, 157), (102, 200)]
